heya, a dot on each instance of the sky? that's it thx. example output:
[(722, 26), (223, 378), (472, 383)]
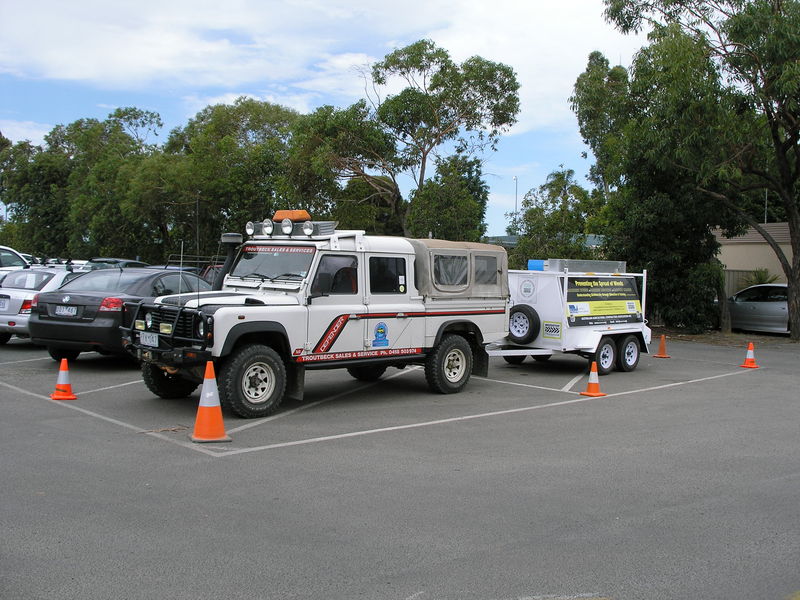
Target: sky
[(63, 61)]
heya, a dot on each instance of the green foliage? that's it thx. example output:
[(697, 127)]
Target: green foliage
[(361, 206), (554, 221), (452, 204), (758, 277)]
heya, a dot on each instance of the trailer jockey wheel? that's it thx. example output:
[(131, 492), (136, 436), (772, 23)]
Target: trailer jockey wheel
[(523, 324)]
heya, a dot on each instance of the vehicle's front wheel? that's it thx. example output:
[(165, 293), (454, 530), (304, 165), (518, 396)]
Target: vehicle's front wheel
[(368, 373), (252, 381), (57, 354), (605, 356), (166, 385), (449, 366), (628, 352)]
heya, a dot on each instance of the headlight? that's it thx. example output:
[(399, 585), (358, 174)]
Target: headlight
[(287, 226), (250, 228), (148, 319), (308, 228), (201, 328), (268, 226)]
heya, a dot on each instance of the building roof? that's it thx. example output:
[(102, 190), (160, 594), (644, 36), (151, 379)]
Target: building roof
[(778, 231)]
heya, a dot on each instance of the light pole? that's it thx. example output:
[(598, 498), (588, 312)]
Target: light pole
[(515, 196)]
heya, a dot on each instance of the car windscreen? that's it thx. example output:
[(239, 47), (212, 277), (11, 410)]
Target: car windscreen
[(26, 279), (105, 280), (273, 262)]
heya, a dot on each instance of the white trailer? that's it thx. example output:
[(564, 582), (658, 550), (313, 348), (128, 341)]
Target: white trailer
[(594, 309)]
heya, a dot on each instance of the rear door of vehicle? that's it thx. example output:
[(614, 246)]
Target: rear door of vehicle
[(396, 321)]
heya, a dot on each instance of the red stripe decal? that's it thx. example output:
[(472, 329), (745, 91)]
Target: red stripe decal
[(334, 329)]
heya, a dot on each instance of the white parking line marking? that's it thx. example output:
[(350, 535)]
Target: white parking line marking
[(112, 387), (572, 382), (68, 404), (528, 385), (318, 402), (17, 362)]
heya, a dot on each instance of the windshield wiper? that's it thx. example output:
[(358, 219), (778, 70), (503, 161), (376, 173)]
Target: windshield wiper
[(286, 276), (254, 275)]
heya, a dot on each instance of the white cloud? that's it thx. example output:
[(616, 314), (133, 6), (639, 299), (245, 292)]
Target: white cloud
[(18, 131)]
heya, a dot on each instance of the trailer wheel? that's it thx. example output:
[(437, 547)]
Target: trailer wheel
[(515, 359), (368, 373), (523, 324), (449, 365), (605, 356), (628, 351), (541, 357), (164, 385), (252, 381)]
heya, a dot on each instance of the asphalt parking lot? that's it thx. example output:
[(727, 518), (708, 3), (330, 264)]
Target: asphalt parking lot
[(682, 482)]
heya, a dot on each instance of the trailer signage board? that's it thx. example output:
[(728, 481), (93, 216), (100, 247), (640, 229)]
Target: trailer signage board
[(602, 301)]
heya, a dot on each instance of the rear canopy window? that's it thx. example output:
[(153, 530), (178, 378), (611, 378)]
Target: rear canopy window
[(450, 270), (26, 280), (110, 280), (485, 270)]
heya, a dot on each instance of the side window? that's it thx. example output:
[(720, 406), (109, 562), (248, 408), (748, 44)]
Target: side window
[(752, 295), (485, 270), (169, 284), (9, 259), (387, 275), (336, 275), (195, 284), (450, 270)]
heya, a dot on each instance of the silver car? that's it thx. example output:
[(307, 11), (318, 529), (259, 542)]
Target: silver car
[(16, 292), (760, 308)]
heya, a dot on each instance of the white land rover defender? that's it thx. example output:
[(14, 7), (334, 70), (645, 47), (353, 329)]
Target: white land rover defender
[(300, 295)]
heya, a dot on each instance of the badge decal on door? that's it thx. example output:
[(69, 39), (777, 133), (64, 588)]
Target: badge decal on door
[(381, 333)]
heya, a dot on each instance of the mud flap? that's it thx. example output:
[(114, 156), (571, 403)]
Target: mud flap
[(295, 382), (480, 361)]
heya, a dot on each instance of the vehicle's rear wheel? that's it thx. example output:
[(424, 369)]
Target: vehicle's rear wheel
[(252, 381), (541, 357), (515, 359), (605, 356), (166, 385), (523, 324), (367, 373), (449, 366), (628, 352), (57, 354), (4, 337)]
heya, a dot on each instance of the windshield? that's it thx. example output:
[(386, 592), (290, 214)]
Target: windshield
[(274, 262)]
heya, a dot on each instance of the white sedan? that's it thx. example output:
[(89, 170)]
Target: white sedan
[(17, 289)]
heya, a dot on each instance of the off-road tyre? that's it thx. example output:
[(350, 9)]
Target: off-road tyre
[(4, 337), (367, 373), (166, 385), (606, 355), (252, 381), (523, 324), (449, 365), (515, 359), (60, 353), (628, 353)]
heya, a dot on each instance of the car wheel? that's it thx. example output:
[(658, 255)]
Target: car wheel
[(628, 352), (57, 354), (367, 373), (252, 381), (541, 357), (605, 356), (523, 324), (4, 337), (449, 366), (515, 359), (166, 385)]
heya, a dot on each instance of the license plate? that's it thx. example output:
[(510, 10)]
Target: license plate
[(3, 304), (66, 311), (149, 339)]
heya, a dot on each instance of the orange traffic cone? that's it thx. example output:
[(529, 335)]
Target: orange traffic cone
[(593, 389), (63, 388), (662, 348), (208, 426), (750, 358)]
